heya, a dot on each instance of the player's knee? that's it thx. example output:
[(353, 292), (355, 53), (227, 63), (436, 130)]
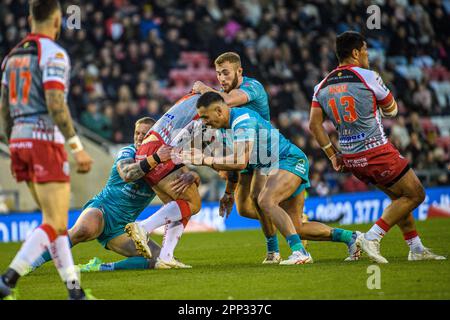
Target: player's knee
[(82, 233), (195, 206), (266, 202), (419, 195), (244, 209), (254, 196)]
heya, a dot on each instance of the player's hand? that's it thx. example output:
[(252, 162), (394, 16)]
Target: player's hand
[(183, 182), (337, 162), (200, 87), (164, 153), (84, 161), (192, 156), (226, 204)]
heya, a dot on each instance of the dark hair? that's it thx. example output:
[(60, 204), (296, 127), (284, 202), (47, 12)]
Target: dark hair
[(208, 98), (346, 42), (41, 10), (146, 120)]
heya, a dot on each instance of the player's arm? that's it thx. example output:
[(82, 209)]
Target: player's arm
[(60, 114), (130, 171), (234, 98), (384, 99), (184, 181), (389, 109), (4, 110), (234, 162), (319, 133)]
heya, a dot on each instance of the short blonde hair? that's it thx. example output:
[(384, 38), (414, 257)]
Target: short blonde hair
[(145, 120), (231, 57)]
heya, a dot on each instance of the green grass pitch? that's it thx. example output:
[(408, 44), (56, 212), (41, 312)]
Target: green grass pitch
[(228, 266)]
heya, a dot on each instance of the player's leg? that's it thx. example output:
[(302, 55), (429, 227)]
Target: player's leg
[(317, 231), (410, 194), (244, 202), (270, 232), (88, 226), (280, 186), (179, 209), (54, 200), (407, 224), (124, 246)]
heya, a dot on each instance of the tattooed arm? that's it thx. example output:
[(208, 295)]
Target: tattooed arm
[(59, 112), (4, 110), (129, 170)]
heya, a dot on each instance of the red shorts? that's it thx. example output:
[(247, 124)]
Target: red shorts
[(38, 161), (381, 165), (161, 170)]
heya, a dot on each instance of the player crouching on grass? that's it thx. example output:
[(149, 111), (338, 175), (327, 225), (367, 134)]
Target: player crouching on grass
[(105, 216)]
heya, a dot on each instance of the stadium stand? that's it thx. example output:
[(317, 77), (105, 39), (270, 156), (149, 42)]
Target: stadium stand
[(133, 58)]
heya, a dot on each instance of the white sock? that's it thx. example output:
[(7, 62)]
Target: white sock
[(63, 260), (168, 213), (415, 244), (36, 244), (375, 233), (172, 235)]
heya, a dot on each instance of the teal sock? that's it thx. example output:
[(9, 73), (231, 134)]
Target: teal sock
[(45, 257), (133, 263), (341, 235), (272, 243), (295, 243)]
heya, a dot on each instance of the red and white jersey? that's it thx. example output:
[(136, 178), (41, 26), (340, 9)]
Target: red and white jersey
[(178, 123), (37, 63), (349, 96)]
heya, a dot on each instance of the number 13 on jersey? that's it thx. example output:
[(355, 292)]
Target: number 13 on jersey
[(349, 112)]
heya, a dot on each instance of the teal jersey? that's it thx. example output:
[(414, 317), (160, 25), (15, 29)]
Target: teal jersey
[(269, 144), (125, 200), (258, 100)]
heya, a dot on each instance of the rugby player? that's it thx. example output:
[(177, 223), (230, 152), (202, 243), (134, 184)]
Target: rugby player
[(246, 185), (355, 98), (34, 90), (105, 216), (283, 192), (180, 203)]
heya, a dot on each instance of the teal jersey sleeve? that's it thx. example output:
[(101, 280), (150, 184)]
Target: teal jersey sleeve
[(258, 99), (252, 89), (126, 153), (244, 128)]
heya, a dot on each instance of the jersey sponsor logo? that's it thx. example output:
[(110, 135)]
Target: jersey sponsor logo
[(381, 83), (301, 166), (239, 119), (126, 154), (66, 168), (352, 138), (59, 55), (55, 70), (356, 163), (170, 116), (21, 145)]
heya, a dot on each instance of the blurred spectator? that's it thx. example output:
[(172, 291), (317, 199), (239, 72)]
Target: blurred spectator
[(123, 55), (96, 121)]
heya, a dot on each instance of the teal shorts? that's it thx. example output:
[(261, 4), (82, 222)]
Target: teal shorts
[(297, 163), (114, 224)]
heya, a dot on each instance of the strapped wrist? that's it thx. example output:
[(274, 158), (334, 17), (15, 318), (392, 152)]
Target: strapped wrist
[(145, 166), (75, 144), (156, 158)]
